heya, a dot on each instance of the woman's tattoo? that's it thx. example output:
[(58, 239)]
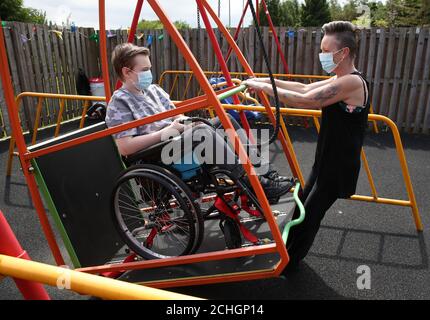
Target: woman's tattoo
[(327, 93)]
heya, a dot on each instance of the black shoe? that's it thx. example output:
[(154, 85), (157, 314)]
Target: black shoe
[(275, 176), (275, 189)]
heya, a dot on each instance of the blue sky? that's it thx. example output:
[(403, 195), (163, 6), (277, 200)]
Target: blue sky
[(120, 12)]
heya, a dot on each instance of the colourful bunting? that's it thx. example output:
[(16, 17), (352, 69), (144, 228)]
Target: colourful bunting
[(58, 33)]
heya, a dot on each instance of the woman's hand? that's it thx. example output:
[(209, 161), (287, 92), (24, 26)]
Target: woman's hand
[(255, 86)]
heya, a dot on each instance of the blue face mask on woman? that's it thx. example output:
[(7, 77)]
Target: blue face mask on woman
[(327, 62), (144, 79)]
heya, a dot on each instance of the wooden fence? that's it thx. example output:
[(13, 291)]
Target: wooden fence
[(395, 61)]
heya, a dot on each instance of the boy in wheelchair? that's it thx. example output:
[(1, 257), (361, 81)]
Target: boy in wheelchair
[(138, 98)]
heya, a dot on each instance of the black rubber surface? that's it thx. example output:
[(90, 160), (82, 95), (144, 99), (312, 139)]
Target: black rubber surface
[(383, 237)]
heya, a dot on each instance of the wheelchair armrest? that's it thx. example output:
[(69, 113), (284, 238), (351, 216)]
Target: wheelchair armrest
[(149, 154)]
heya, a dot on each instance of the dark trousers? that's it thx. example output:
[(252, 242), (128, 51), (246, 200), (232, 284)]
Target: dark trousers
[(317, 200)]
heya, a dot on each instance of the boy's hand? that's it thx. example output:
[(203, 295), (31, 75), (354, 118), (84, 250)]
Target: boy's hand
[(179, 126)]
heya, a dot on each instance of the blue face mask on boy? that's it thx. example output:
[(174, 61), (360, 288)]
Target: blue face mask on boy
[(327, 62), (144, 79)]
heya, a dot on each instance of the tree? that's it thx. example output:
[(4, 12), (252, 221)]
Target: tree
[(290, 12), (156, 24), (315, 13), (13, 10), (274, 7)]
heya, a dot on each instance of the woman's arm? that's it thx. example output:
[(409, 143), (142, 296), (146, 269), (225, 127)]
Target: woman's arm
[(294, 85), (334, 91), (130, 144)]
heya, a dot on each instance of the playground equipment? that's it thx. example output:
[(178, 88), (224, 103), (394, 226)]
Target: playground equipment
[(81, 209), (87, 205), (29, 276)]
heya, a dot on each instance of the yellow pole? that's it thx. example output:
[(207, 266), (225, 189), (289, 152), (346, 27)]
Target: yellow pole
[(83, 283)]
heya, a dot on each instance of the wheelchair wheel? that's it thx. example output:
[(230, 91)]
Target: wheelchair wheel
[(155, 213), (232, 234)]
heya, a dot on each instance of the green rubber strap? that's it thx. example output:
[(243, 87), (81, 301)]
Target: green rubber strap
[(297, 221), (231, 92)]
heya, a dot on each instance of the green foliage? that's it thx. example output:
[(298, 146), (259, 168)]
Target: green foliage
[(315, 13), (13, 10), (283, 13), (156, 24)]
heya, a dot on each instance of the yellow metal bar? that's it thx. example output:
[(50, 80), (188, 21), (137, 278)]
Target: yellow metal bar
[(36, 127), (399, 148), (187, 87), (60, 116), (290, 146), (396, 202), (83, 283), (369, 174), (37, 119), (375, 125), (10, 156), (365, 163), (173, 85), (316, 123), (84, 112)]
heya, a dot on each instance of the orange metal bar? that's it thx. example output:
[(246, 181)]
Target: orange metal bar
[(198, 257), (25, 164), (224, 278), (103, 49)]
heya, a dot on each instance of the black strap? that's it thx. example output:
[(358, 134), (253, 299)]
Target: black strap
[(364, 86)]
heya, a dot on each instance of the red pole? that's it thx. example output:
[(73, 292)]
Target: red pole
[(275, 36), (257, 11), (103, 49), (223, 66), (10, 246), (236, 34), (133, 28)]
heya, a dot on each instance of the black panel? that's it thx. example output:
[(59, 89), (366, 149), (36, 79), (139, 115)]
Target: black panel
[(80, 180)]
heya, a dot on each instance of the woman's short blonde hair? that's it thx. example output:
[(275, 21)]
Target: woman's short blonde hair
[(345, 33)]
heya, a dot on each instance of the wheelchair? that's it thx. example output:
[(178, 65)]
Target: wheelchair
[(159, 210)]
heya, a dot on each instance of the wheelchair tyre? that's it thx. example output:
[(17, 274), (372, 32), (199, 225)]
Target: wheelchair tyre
[(155, 213), (232, 234)]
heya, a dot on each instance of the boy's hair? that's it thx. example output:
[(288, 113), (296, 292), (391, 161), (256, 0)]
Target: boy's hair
[(346, 34), (123, 56)]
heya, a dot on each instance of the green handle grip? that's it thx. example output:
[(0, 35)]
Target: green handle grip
[(231, 92), (297, 221)]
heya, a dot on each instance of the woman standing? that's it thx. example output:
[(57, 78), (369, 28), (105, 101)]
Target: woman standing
[(345, 103)]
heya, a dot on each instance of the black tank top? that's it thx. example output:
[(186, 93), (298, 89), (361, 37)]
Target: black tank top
[(337, 158)]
